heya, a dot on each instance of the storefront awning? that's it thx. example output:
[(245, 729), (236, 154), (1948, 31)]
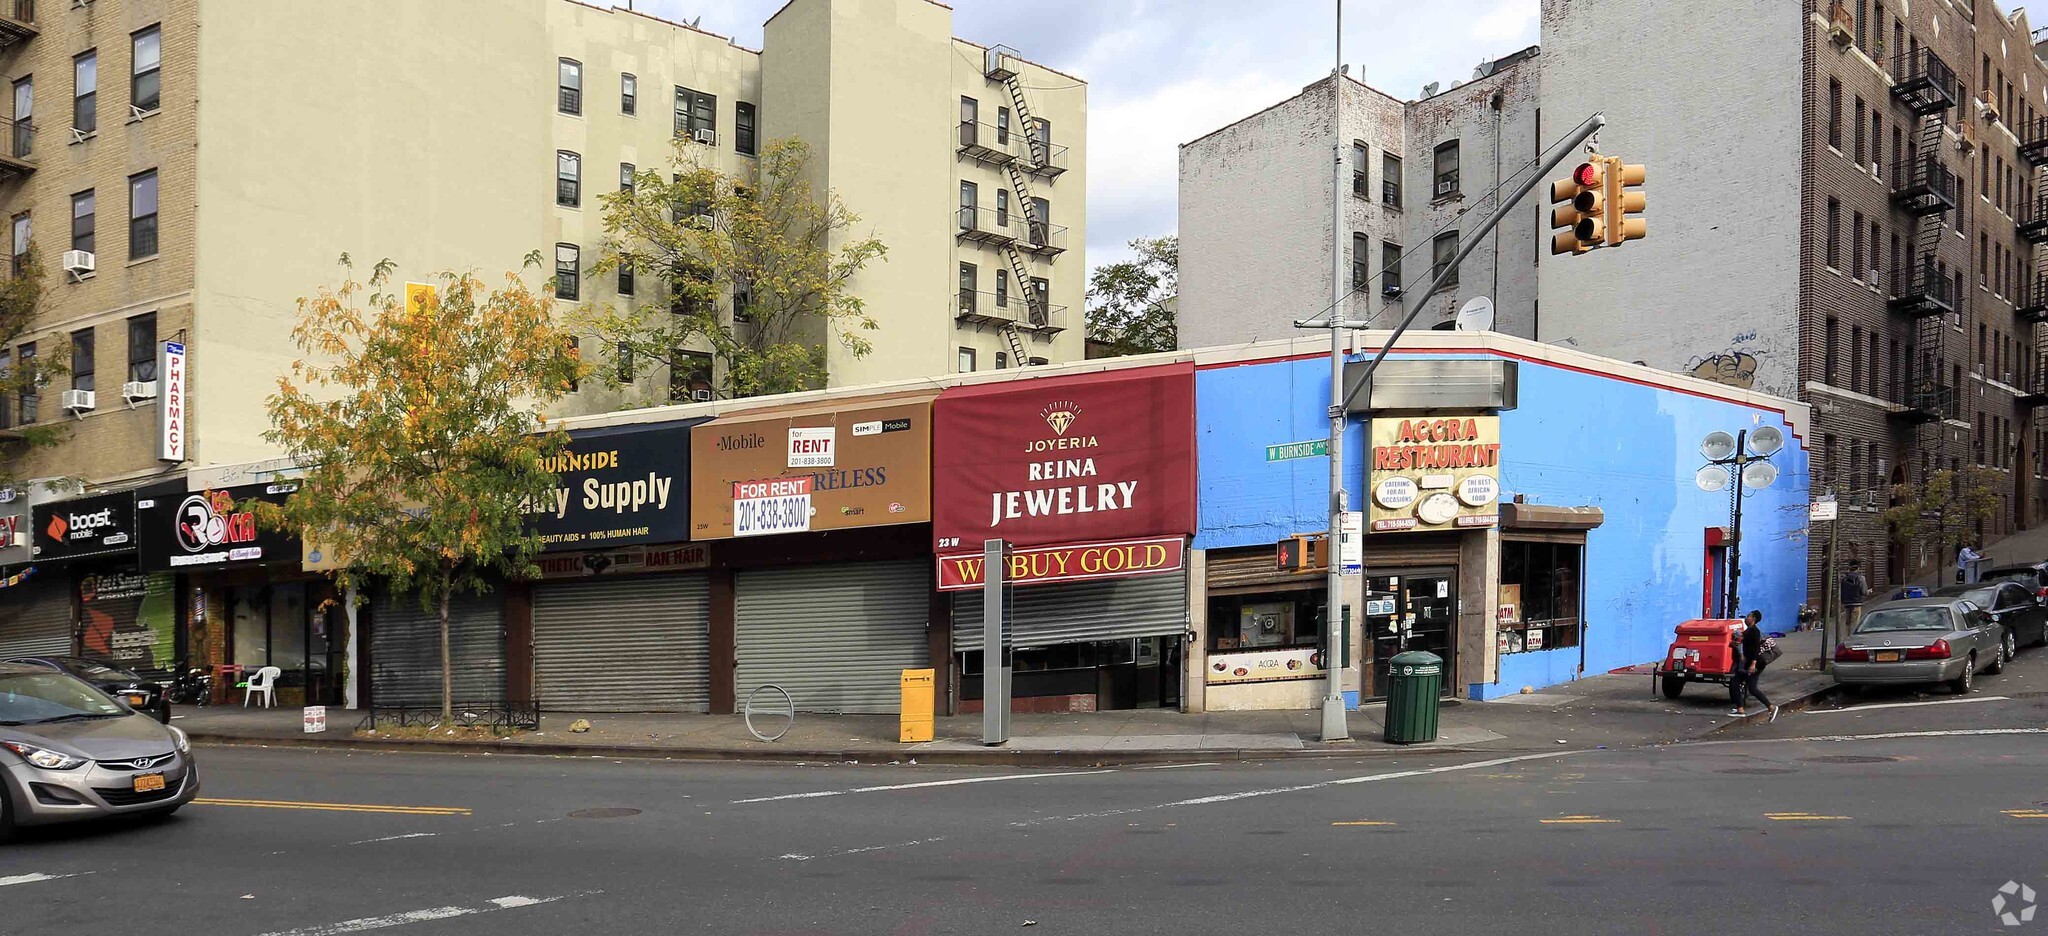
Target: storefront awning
[(845, 465), (1546, 517)]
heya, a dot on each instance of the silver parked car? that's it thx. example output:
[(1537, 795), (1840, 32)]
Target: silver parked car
[(1923, 640), (69, 751)]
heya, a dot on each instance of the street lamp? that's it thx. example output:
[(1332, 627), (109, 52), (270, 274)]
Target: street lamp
[(1741, 460)]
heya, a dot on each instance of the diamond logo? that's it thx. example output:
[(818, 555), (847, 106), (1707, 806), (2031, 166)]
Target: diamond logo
[(1060, 416), (2018, 896)]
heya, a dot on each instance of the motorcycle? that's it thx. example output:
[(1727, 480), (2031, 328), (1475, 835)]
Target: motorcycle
[(190, 686)]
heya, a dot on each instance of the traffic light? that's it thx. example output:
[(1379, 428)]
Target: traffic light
[(1577, 202), (1303, 552), (1623, 198)]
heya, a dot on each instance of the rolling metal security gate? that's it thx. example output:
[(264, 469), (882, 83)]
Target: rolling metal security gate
[(836, 637), (405, 651), (1071, 612), (629, 644), (35, 619)]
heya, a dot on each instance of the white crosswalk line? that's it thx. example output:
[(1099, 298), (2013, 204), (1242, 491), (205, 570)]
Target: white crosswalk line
[(362, 924), (37, 878), (918, 786)]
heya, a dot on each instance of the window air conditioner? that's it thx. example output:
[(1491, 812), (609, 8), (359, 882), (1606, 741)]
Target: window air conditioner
[(1446, 187), (1391, 292), (701, 396), (78, 401), (138, 390), (706, 137), (78, 262)]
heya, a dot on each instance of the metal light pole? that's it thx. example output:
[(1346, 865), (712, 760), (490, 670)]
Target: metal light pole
[(1336, 727)]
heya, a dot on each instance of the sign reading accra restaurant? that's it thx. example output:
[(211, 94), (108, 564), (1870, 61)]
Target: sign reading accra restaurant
[(1434, 473), (1086, 458)]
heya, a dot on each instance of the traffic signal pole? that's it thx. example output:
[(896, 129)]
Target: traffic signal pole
[(1334, 724)]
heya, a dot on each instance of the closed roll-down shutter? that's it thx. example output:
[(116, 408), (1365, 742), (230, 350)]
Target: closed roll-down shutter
[(405, 651), (1071, 612), (628, 644), (35, 619), (837, 637)]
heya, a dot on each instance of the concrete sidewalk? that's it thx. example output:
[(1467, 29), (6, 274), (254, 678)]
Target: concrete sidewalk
[(1611, 710)]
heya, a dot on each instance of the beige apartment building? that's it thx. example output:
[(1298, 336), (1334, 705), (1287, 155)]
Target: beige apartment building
[(465, 134)]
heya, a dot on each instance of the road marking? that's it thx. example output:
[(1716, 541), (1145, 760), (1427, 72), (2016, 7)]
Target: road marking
[(2014, 813), (1886, 705), (1363, 823), (1885, 736), (37, 878), (918, 786), (1578, 820), (394, 838), (1175, 766), (1803, 817), (361, 924), (337, 807)]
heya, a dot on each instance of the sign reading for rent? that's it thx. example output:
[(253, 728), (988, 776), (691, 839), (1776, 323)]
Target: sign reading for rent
[(776, 505)]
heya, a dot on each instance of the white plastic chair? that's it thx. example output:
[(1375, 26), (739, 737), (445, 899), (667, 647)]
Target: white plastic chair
[(264, 683)]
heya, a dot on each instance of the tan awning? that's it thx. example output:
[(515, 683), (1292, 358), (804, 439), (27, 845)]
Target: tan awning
[(1545, 517)]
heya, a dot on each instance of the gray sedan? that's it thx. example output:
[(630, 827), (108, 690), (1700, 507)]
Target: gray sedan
[(69, 751), (1923, 640)]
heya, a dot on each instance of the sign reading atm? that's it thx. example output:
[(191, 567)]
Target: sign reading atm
[(1120, 559)]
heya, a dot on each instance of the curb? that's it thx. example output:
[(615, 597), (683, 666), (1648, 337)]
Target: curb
[(870, 757), (1795, 704)]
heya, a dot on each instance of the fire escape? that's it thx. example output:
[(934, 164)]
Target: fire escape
[(2033, 298), (1042, 239), (1924, 188), (17, 152)]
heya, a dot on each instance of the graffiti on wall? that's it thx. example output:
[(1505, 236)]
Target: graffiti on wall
[(1732, 368)]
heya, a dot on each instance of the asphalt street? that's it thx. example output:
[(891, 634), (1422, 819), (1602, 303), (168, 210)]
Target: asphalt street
[(1807, 826)]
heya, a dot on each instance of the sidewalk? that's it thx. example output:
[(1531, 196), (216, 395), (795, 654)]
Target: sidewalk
[(1611, 710)]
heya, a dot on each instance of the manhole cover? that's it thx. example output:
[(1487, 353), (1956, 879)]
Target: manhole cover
[(605, 812), (1759, 771), (1849, 759)]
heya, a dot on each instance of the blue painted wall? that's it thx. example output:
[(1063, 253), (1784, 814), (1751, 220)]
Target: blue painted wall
[(1576, 439)]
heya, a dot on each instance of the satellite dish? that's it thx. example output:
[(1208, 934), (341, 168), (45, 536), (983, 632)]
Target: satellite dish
[(1711, 478), (1717, 445), (1759, 474), (1477, 315), (1766, 441)]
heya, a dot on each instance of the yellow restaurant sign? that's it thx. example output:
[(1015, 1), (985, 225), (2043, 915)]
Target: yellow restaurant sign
[(1434, 473)]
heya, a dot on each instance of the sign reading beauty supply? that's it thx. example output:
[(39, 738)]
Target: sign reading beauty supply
[(811, 468), (88, 526), (618, 486), (1044, 564), (1434, 473), (1084, 458)]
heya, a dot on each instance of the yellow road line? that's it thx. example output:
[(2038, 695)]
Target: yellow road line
[(2027, 813), (337, 807), (1363, 823), (1577, 820), (1802, 817)]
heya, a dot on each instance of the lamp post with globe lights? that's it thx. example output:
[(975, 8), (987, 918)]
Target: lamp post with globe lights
[(1741, 461)]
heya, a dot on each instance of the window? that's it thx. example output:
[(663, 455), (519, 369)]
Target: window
[(622, 355), (573, 347), (970, 111), (82, 221), (1441, 251), (1390, 180), (146, 66), (1858, 158), (626, 284), (1265, 622), (629, 94), (970, 201), (1002, 126), (569, 99), (742, 302), (696, 111), (568, 271), (970, 281), (81, 359), (568, 179), (1361, 276), (1390, 268), (6, 411), (1447, 169), (21, 239), (1876, 251), (1856, 245), (743, 128), (26, 354), (1855, 357), (142, 215), (142, 347), (1983, 260), (626, 178), (1041, 220), (1871, 381), (1834, 254), (1982, 353), (1039, 293), (1831, 351), (967, 360), (24, 136), (1835, 114), (1545, 577), (689, 375), (1876, 140), (1897, 374), (85, 86), (1041, 144), (1358, 180), (1002, 207), (1002, 360), (1002, 288)]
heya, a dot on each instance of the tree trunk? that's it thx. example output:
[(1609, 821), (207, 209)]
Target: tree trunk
[(447, 672)]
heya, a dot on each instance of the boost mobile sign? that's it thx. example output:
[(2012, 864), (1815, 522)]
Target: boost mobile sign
[(618, 486)]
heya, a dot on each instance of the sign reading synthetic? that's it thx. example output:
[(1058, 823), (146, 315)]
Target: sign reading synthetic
[(617, 486), (810, 469), (1066, 459)]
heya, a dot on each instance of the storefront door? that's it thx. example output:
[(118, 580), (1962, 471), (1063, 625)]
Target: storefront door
[(1426, 601)]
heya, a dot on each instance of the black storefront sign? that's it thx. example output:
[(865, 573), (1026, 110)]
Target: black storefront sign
[(101, 525), (618, 486), (212, 528)]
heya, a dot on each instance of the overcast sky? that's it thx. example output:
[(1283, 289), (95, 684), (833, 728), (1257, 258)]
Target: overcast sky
[(1162, 72)]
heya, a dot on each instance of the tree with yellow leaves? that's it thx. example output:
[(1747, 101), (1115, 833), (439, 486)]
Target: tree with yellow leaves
[(417, 420)]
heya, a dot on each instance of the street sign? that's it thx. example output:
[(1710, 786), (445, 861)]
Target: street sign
[(1351, 543), (1821, 511), (1292, 450)]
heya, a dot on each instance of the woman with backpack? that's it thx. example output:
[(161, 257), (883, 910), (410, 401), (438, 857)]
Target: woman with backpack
[(1756, 653)]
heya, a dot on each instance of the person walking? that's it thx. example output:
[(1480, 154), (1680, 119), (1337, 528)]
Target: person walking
[(1853, 591), (1750, 665)]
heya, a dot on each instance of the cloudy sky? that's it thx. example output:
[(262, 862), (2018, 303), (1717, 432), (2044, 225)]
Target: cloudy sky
[(1162, 72)]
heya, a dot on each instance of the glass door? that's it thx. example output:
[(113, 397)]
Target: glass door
[(1424, 616)]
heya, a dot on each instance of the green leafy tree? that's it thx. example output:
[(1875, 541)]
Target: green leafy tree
[(749, 269), (1131, 302), (21, 297), (416, 417), (1942, 513)]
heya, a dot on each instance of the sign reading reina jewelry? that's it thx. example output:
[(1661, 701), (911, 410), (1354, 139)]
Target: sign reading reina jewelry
[(1069, 563), (617, 486), (805, 469), (1436, 473), (1084, 458)]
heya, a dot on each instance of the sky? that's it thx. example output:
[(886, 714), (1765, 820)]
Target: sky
[(1163, 72)]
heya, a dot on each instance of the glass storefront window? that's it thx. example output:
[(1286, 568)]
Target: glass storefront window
[(1540, 595), (1274, 621)]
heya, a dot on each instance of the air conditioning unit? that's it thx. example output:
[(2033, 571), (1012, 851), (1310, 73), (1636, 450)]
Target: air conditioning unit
[(78, 401), (138, 390), (1990, 110), (78, 262), (701, 396), (706, 137), (1391, 292), (1839, 25), (1446, 187)]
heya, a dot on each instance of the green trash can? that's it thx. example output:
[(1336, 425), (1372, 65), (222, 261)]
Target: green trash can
[(1414, 681)]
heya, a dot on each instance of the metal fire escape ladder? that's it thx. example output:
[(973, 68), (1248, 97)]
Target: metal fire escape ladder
[(997, 66), (1925, 189)]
